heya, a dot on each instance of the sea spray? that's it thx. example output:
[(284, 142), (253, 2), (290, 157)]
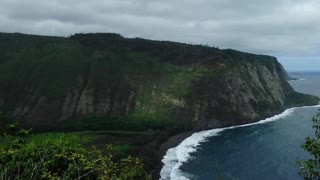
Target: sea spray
[(177, 156), (296, 80)]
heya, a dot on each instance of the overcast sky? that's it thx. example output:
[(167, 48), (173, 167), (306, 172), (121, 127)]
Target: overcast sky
[(288, 29)]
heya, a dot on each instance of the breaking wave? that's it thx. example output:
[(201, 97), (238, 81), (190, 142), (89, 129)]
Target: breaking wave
[(175, 157)]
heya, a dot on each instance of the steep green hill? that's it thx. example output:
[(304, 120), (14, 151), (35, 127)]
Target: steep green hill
[(108, 82)]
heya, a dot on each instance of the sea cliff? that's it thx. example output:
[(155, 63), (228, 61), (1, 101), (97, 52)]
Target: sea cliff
[(105, 81)]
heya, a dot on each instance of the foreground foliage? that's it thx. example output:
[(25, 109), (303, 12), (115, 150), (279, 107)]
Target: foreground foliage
[(60, 156), (310, 168)]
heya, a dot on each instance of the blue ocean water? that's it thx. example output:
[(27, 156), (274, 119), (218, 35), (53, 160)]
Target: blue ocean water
[(259, 152)]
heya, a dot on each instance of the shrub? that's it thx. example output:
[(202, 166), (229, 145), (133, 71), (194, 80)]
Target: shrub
[(61, 156), (310, 168)]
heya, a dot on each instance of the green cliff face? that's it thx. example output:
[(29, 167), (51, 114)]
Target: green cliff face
[(105, 81)]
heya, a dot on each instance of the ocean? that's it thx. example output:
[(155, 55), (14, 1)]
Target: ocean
[(260, 151)]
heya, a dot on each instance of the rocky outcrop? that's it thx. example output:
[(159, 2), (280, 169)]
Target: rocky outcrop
[(245, 94), (70, 104), (288, 77), (135, 82)]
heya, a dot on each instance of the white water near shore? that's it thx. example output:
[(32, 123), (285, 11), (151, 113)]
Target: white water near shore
[(175, 157), (296, 80)]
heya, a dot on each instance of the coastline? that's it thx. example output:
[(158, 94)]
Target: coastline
[(170, 143), (187, 143), (296, 79)]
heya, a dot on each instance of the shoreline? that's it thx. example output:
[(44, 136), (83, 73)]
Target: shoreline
[(296, 79), (163, 148), (178, 140)]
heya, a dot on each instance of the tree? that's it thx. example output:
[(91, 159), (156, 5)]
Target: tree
[(310, 168), (60, 156)]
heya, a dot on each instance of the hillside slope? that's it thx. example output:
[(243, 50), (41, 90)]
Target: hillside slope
[(105, 81)]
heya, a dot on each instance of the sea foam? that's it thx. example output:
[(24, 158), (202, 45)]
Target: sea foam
[(296, 80), (175, 157)]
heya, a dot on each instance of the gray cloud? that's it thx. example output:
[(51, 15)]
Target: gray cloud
[(276, 27)]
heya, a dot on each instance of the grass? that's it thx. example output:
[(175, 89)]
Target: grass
[(66, 156), (142, 121), (87, 139), (299, 99), (165, 77)]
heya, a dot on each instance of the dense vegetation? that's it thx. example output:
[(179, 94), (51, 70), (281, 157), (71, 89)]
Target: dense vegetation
[(145, 84), (50, 65), (137, 91), (310, 168), (60, 156)]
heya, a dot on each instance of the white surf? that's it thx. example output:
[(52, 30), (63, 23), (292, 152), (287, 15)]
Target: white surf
[(175, 157)]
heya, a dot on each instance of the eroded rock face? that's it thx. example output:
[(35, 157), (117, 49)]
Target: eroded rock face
[(86, 102), (244, 94), (199, 86), (70, 104)]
